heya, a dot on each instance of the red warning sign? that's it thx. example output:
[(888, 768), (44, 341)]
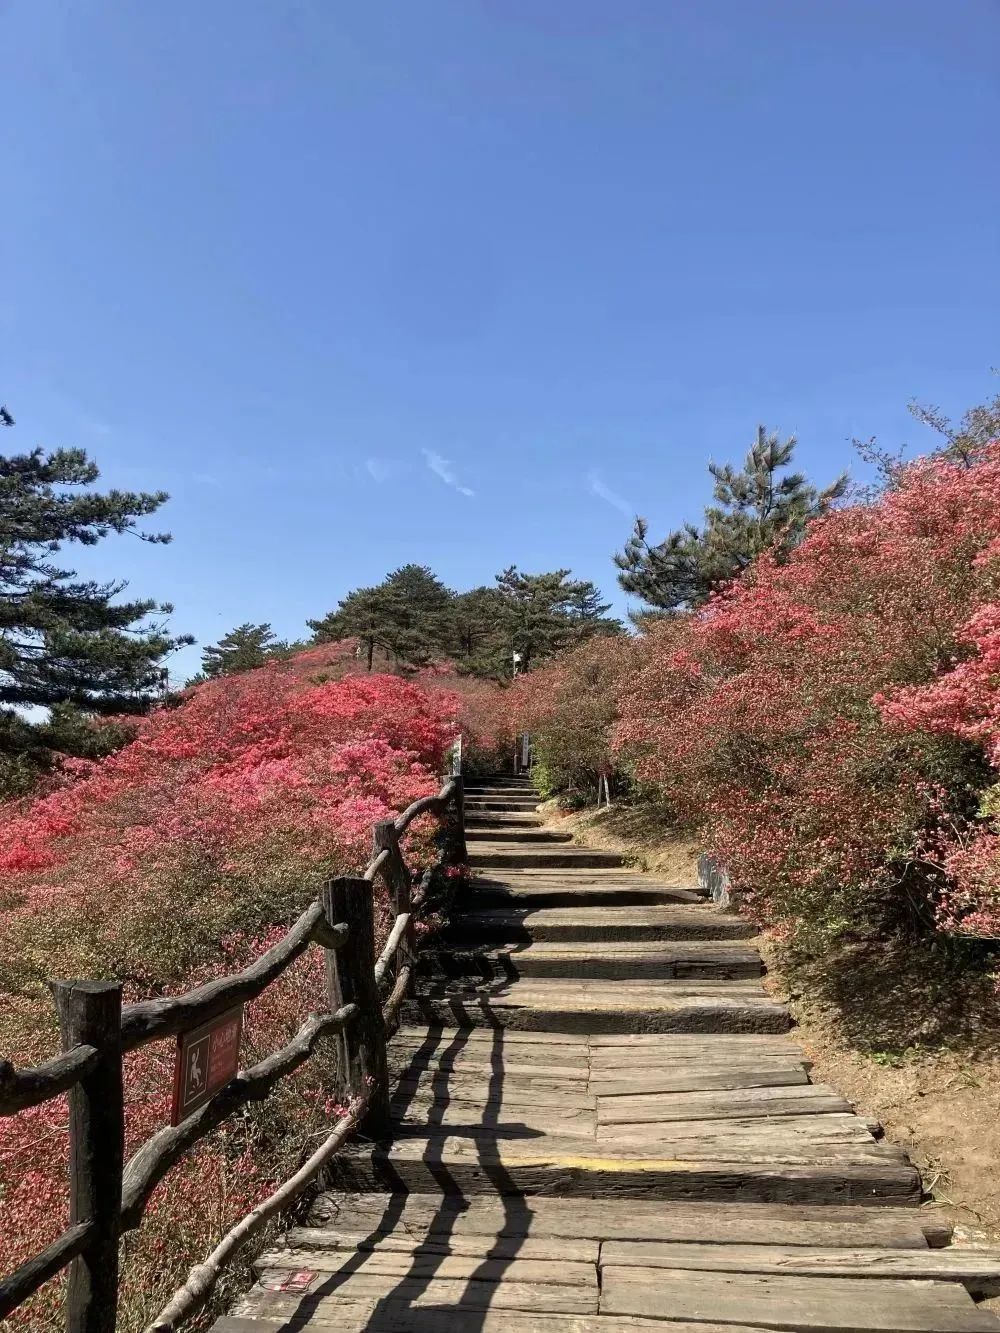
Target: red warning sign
[(207, 1058)]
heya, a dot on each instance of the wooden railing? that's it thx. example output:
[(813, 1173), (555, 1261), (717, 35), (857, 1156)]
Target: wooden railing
[(108, 1196)]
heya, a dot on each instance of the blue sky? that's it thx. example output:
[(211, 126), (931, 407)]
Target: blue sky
[(468, 282)]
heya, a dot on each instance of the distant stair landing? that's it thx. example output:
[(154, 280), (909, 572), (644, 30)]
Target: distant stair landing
[(602, 1124)]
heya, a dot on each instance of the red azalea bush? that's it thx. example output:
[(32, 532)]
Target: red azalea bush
[(828, 723), (179, 858), (484, 713)]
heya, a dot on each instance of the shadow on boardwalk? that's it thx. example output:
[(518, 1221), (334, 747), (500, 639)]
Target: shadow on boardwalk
[(470, 1311)]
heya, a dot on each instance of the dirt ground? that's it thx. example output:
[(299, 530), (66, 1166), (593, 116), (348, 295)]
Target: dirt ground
[(939, 1098), (638, 832), (912, 1042)]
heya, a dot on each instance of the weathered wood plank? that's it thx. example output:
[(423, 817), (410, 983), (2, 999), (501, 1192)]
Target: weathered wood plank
[(567, 1057), (553, 1249), (440, 1267), (605, 1044), (692, 1077), (469, 1165), (636, 1219), (978, 1270), (609, 923), (805, 1305), (670, 1082), (390, 1316), (423, 1037), (732, 1104), (500, 1118), (601, 1006), (426, 1294), (499, 1065), (653, 960), (471, 1086), (781, 1131)]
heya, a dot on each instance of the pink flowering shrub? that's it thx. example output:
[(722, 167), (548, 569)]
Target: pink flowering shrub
[(831, 724), (179, 858)]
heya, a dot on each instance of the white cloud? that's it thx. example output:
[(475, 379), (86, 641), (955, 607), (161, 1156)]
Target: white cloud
[(603, 492), (441, 467), (378, 469)]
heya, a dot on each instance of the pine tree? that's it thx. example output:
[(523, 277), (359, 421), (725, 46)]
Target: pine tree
[(757, 509), (478, 634), (408, 616), (243, 648), (544, 613), (420, 615), (66, 641), (362, 615)]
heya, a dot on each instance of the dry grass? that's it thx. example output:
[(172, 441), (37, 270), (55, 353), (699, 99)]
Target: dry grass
[(643, 833)]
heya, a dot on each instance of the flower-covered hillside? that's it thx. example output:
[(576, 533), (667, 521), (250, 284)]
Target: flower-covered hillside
[(179, 858)]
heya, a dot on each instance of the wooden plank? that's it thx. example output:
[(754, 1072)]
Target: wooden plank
[(978, 1270), (497, 1052), (802, 1305), (439, 1267), (782, 1130), (498, 1066), (620, 1066), (779, 1075), (425, 1294), (644, 1061), (473, 1088), (732, 1104), (472, 1165), (636, 1219), (553, 1249), (501, 1119), (693, 1042), (420, 1038), (390, 1316), (604, 1006), (609, 923), (618, 960)]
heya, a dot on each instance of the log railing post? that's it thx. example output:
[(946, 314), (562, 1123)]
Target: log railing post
[(455, 849), (385, 838), (335, 992), (90, 1014), (352, 901)]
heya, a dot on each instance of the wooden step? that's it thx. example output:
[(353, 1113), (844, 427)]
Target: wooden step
[(558, 1166), (442, 1216), (679, 958), (679, 922), (476, 820), (555, 1005), (795, 1304), (719, 1104), (333, 1314), (501, 803), (572, 887), (503, 856), (520, 834), (978, 1270)]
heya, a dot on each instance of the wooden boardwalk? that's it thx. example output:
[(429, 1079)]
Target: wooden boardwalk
[(602, 1123)]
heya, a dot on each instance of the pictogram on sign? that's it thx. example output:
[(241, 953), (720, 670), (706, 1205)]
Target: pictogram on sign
[(208, 1057)]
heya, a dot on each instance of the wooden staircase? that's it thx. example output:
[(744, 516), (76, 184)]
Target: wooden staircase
[(602, 1124)]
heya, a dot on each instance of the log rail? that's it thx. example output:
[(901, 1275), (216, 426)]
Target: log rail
[(108, 1196)]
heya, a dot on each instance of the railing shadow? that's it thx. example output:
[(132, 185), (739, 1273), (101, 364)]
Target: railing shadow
[(397, 1308)]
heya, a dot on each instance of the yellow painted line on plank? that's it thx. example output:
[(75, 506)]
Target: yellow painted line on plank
[(603, 1163)]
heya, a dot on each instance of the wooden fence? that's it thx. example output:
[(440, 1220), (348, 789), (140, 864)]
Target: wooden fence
[(108, 1196)]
